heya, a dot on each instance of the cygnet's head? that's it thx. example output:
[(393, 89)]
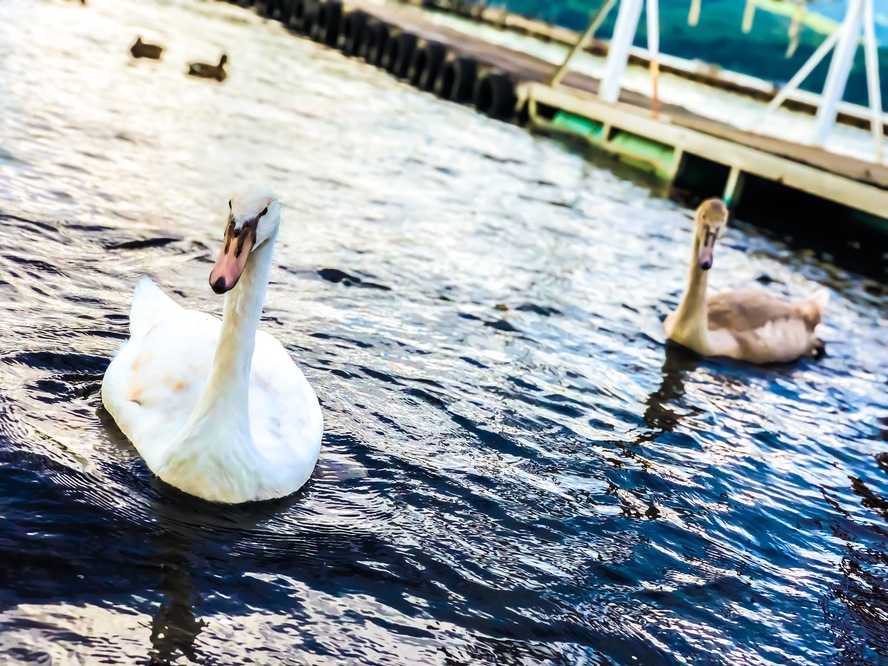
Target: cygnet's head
[(253, 219), (711, 217)]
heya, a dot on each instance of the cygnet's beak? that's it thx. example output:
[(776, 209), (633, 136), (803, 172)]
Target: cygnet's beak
[(707, 247), (232, 259)]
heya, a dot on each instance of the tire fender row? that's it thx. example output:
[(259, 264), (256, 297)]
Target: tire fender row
[(424, 64)]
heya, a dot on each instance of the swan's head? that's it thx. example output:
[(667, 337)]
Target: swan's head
[(711, 217), (253, 219)]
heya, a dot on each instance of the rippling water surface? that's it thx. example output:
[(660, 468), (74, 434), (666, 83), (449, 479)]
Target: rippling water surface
[(515, 468)]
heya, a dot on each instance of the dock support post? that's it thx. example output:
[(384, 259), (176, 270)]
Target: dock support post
[(734, 187), (594, 24), (653, 34), (694, 13), (839, 68), (677, 163), (618, 54), (871, 49), (795, 27), (748, 16)]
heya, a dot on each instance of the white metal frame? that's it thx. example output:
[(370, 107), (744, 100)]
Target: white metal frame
[(618, 53), (844, 41), (620, 44), (653, 35), (594, 24)]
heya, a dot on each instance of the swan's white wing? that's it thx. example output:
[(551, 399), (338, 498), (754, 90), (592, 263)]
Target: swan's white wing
[(150, 305), (154, 382), (285, 418)]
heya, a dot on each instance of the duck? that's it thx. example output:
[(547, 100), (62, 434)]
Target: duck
[(144, 50), (218, 409), (750, 325), (205, 71)]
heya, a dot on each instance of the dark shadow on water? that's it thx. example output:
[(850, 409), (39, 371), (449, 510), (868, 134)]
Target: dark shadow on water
[(859, 598), (175, 626), (661, 415), (187, 528)]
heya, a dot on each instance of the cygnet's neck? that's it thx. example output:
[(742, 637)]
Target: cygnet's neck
[(692, 316)]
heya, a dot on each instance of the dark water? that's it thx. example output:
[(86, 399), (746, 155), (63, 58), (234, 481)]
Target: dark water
[(515, 469)]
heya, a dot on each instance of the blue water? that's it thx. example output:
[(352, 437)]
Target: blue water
[(718, 37), (516, 469)]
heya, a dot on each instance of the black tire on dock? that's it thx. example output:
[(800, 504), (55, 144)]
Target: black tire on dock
[(265, 9), (350, 36), (329, 19), (279, 10), (376, 37), (464, 9), (398, 54), (273, 9), (310, 23), (457, 80), (303, 15), (426, 65), (495, 96)]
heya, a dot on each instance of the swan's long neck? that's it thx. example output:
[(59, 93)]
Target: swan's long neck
[(692, 317), (216, 442), (226, 393)]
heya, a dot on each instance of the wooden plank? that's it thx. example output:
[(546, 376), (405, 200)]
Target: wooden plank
[(850, 167), (750, 160)]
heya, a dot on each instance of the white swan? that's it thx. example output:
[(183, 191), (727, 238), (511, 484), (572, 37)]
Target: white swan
[(746, 325), (218, 409)]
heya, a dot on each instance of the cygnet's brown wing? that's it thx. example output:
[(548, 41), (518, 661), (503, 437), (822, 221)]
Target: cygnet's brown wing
[(741, 311)]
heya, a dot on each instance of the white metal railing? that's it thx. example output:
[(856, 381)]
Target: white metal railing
[(843, 42)]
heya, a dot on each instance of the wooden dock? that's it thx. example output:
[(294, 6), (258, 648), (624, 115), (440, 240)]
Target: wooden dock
[(851, 182), (697, 71)]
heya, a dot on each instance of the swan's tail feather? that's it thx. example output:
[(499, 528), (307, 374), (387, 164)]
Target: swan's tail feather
[(150, 305), (821, 298), (812, 308)]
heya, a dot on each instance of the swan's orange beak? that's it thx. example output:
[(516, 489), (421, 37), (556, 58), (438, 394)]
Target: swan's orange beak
[(232, 259)]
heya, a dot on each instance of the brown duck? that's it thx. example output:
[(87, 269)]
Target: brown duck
[(142, 50), (206, 71)]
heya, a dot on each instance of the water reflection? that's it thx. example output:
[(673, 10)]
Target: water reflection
[(522, 483), (858, 608), (664, 409), (186, 535), (174, 627)]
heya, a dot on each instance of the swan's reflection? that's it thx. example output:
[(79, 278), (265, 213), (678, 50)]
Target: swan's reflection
[(662, 414), (175, 627), (186, 527)]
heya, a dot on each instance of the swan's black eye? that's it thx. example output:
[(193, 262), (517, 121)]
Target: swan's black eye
[(264, 210), (229, 204)]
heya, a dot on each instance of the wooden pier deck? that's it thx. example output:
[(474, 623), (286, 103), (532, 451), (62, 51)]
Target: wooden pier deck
[(853, 183)]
